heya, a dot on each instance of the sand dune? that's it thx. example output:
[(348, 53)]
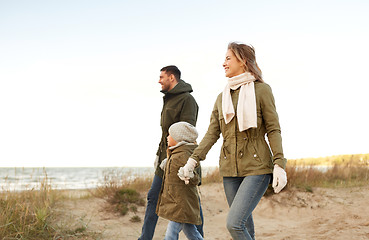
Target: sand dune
[(323, 214)]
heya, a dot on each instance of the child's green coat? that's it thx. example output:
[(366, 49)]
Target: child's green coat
[(179, 202)]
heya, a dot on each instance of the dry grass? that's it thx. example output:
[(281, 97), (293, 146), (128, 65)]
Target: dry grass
[(123, 192), (115, 180), (27, 214), (338, 175), (212, 177), (353, 159), (351, 171), (31, 214)]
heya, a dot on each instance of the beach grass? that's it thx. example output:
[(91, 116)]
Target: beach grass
[(27, 214), (34, 213), (212, 177), (117, 179), (334, 171), (124, 192), (307, 174), (353, 159), (349, 174)]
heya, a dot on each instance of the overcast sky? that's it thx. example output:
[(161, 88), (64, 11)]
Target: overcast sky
[(79, 79)]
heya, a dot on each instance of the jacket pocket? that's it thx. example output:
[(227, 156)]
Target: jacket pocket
[(262, 153), (172, 194), (255, 153), (248, 159), (224, 155)]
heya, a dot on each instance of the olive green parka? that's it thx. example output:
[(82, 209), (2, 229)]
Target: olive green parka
[(179, 202), (179, 105), (245, 153)]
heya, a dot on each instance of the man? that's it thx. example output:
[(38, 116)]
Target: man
[(179, 105)]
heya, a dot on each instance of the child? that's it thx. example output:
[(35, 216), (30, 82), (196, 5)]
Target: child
[(179, 202)]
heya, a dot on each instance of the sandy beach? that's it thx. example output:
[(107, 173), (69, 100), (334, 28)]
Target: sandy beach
[(325, 213)]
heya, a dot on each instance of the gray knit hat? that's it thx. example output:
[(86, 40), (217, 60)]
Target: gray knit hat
[(183, 132)]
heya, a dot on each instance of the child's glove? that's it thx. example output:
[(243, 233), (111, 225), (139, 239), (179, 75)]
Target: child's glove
[(156, 162), (186, 172), (163, 164), (182, 176), (279, 178)]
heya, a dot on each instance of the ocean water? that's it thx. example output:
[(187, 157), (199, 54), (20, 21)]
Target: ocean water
[(64, 178), (68, 177)]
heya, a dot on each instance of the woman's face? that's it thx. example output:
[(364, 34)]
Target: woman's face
[(232, 66)]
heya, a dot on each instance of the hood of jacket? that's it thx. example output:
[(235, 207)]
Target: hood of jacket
[(181, 87)]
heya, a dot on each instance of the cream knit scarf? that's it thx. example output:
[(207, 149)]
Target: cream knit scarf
[(246, 105)]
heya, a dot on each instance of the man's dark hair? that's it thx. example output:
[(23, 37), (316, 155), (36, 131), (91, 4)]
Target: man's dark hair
[(171, 69)]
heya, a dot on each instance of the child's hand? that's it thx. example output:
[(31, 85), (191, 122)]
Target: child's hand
[(181, 174), (189, 167), (186, 172), (163, 164), (156, 162)]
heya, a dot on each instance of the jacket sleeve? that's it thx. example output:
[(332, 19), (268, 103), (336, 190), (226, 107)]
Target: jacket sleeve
[(272, 126), (189, 110), (211, 136), (158, 151)]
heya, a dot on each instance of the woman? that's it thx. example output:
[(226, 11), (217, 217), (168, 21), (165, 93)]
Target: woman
[(243, 113)]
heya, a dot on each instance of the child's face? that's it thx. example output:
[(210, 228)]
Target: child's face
[(171, 141)]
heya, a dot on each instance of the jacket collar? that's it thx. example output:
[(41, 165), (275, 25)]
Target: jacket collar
[(181, 87)]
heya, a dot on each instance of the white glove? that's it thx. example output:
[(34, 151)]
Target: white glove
[(163, 164), (182, 177), (156, 163), (186, 172), (279, 178)]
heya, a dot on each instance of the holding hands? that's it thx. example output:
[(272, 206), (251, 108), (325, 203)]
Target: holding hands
[(186, 172), (279, 174)]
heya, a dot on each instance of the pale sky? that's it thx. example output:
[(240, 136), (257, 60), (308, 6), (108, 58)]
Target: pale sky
[(79, 79)]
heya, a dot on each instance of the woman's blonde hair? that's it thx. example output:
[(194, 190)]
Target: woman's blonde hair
[(246, 55)]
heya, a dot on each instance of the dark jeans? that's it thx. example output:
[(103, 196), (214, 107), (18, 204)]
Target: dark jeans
[(151, 218)]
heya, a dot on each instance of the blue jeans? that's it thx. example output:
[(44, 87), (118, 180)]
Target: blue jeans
[(189, 230), (151, 218), (243, 194)]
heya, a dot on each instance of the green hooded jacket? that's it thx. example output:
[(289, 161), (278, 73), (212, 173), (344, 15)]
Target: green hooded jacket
[(179, 202), (245, 153), (179, 105)]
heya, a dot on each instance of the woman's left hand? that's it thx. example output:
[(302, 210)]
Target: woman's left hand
[(279, 178)]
